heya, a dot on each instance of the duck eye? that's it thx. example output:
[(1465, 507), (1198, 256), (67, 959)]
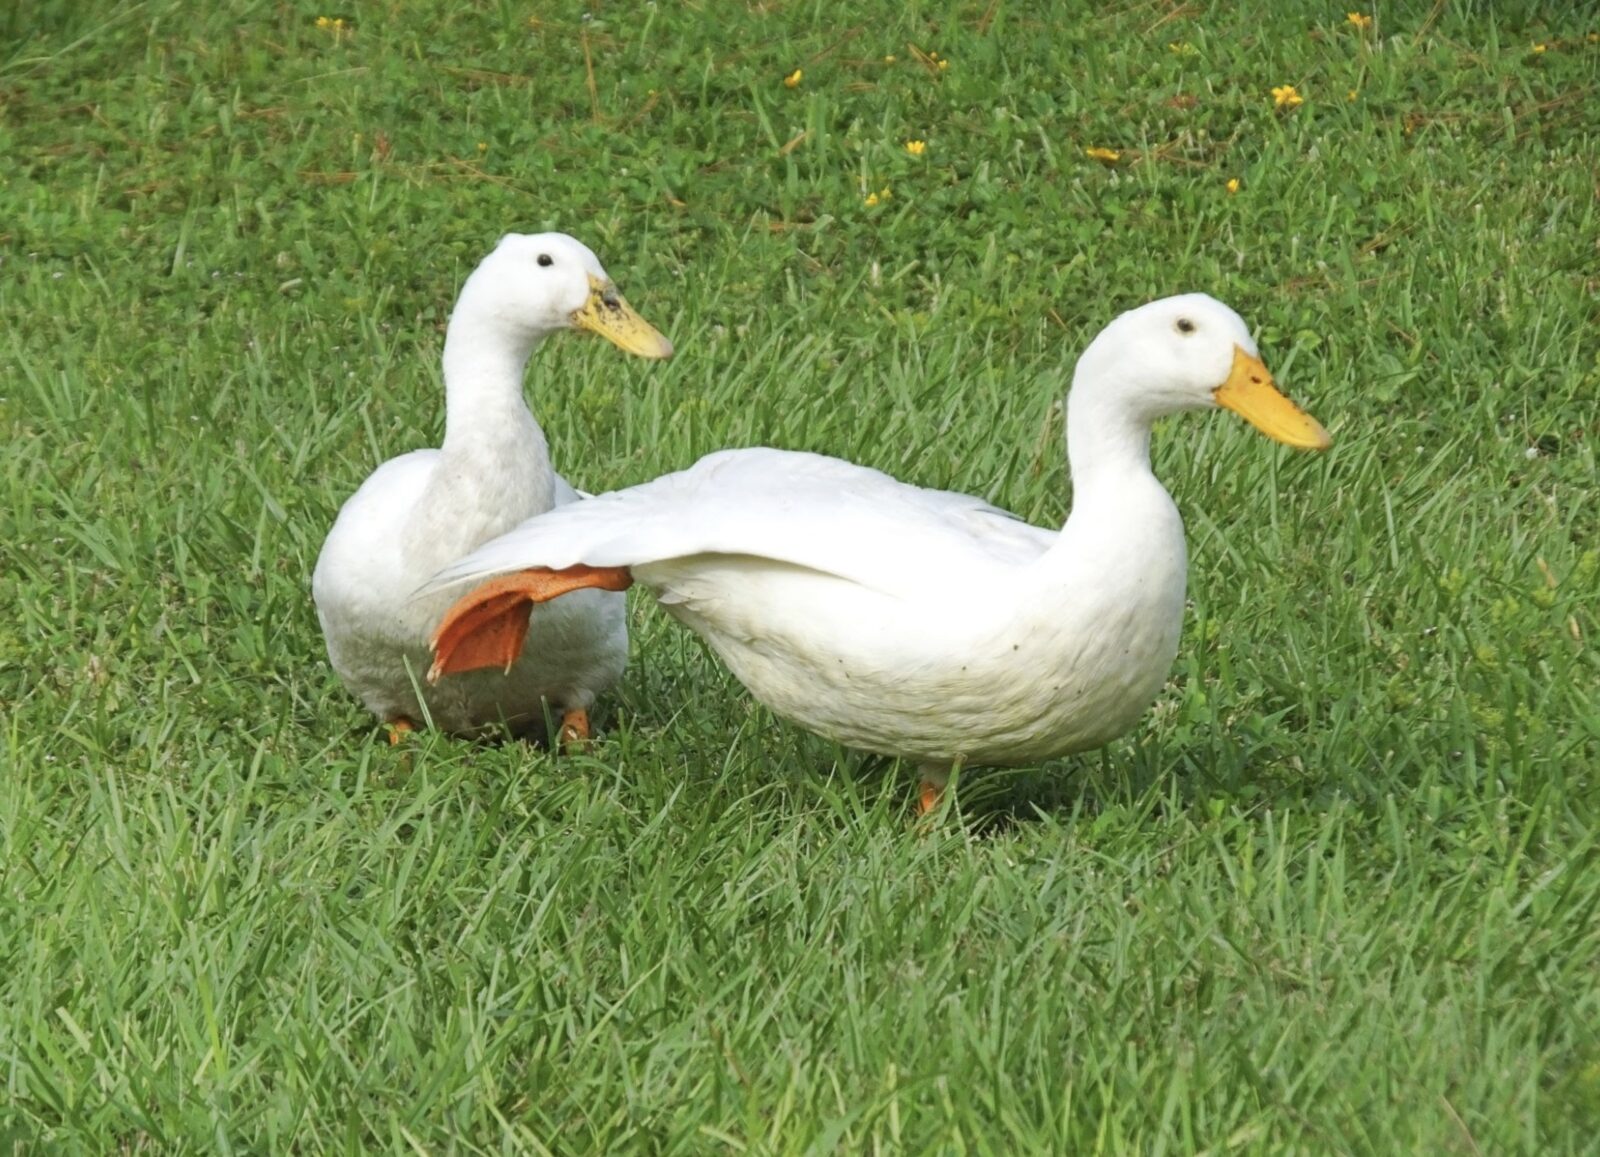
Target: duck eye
[(546, 259), (1185, 325)]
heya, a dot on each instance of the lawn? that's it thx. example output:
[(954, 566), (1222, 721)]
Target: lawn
[(1339, 893)]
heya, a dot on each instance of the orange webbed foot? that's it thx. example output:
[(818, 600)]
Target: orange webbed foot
[(487, 626), (397, 727), (574, 734), (930, 792)]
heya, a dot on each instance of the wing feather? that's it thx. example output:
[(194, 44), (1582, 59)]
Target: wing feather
[(803, 509)]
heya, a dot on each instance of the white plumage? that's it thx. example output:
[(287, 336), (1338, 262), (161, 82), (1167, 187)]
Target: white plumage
[(423, 510), (921, 623)]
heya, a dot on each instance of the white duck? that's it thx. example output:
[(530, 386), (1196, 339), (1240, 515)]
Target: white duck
[(919, 623), (426, 509)]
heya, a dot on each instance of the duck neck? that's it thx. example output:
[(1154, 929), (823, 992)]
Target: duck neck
[(494, 465), (1123, 541), (484, 407), (1108, 450)]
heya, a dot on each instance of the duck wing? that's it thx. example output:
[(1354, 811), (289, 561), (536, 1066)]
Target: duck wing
[(805, 510)]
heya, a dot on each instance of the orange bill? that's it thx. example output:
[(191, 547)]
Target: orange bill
[(1251, 393), (608, 315)]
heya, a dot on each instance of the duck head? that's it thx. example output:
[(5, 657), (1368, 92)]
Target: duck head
[(1191, 352), (534, 284)]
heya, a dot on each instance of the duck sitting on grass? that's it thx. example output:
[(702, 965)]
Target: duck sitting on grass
[(914, 623), (427, 509)]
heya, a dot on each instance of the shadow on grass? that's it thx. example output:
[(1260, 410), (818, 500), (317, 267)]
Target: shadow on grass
[(1153, 780), (537, 734)]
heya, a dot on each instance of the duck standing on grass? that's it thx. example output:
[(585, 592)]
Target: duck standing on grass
[(425, 510), (915, 623)]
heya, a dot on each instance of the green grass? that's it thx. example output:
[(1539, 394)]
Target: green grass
[(1339, 893)]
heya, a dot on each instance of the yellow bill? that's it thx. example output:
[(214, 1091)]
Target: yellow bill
[(1251, 393), (606, 314)]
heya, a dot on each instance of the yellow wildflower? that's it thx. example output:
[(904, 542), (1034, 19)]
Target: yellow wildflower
[(1538, 49), (793, 79), (889, 59), (916, 148), (1351, 95), (1109, 156), (334, 24), (483, 146), (1360, 20), (943, 64), (1233, 184), (1284, 96), (1180, 48), (880, 196)]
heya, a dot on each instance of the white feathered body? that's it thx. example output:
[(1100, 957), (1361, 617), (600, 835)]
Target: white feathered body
[(896, 619), (427, 509), (385, 544), (931, 625)]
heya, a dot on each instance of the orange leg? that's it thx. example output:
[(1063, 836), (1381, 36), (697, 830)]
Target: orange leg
[(487, 626), (398, 726), (931, 793), (574, 729)]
